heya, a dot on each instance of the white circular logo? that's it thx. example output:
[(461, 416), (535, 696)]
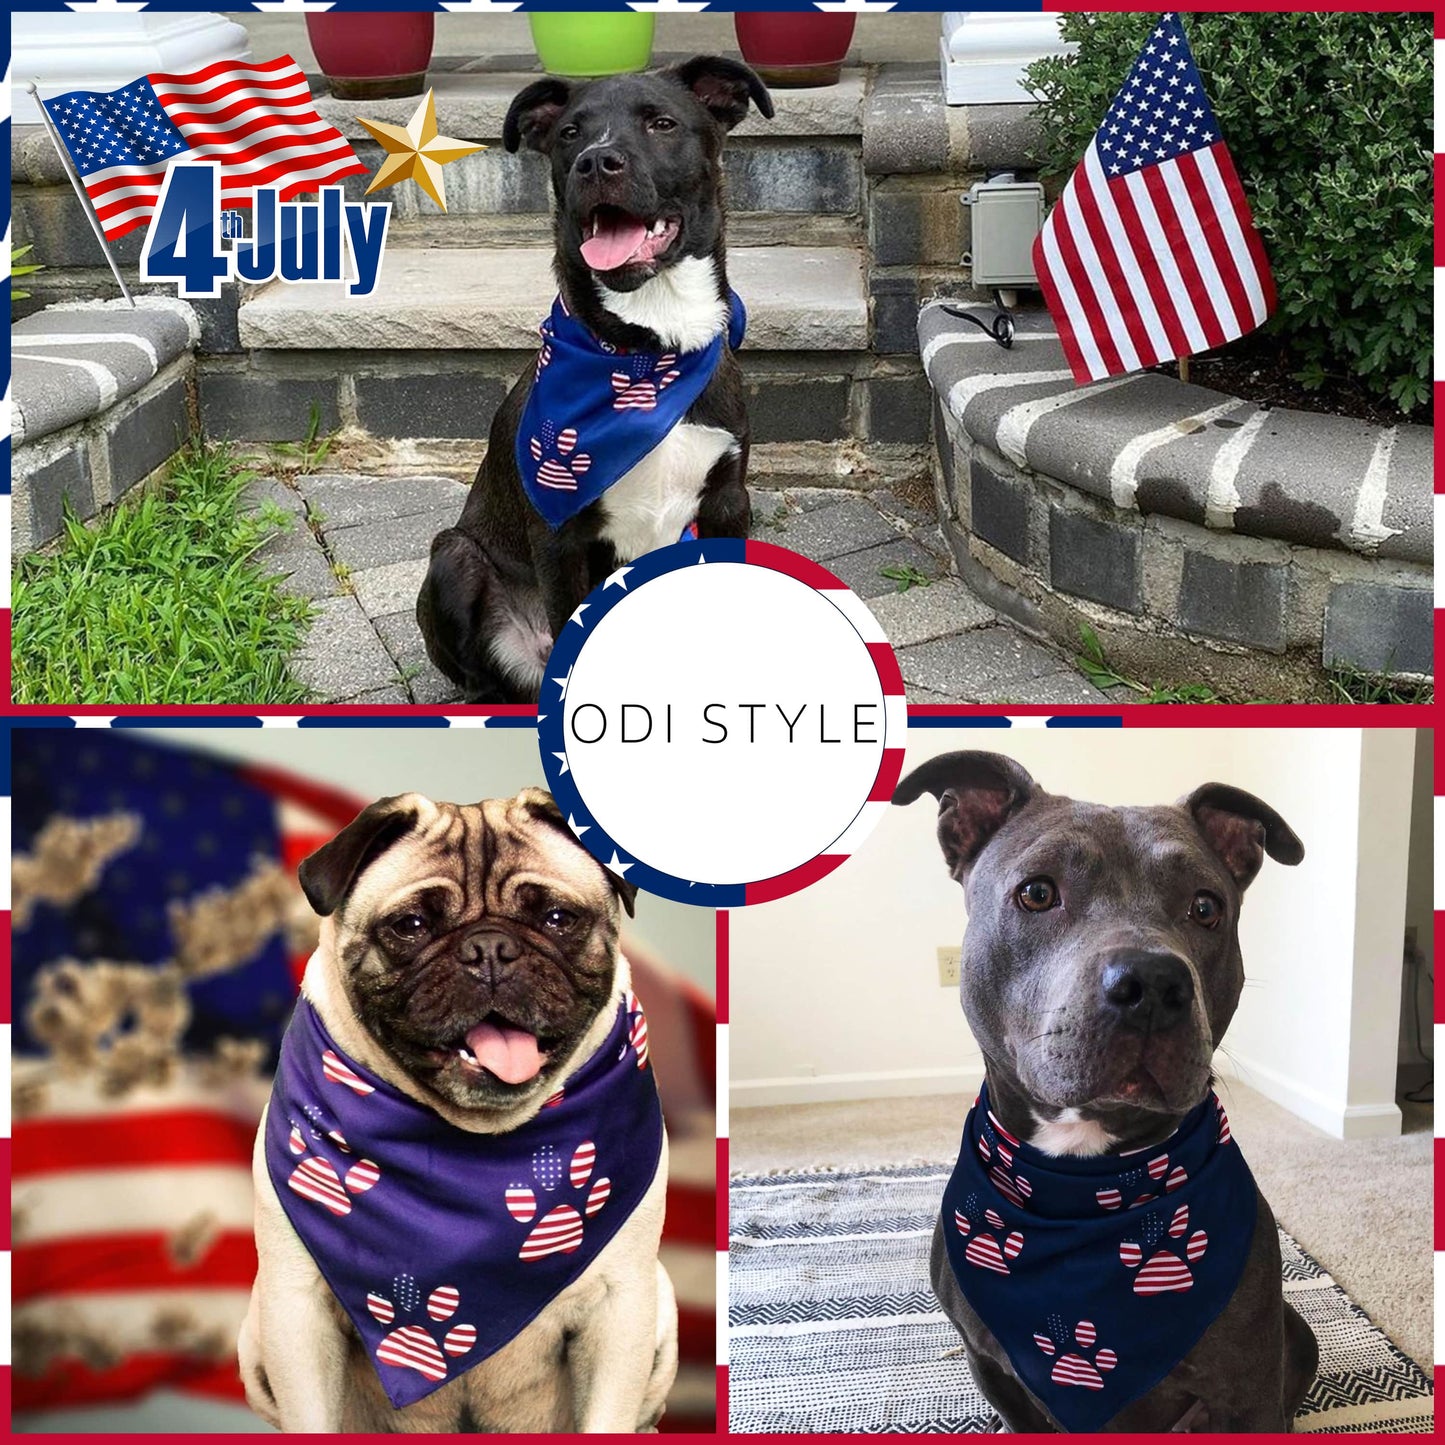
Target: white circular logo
[(722, 722)]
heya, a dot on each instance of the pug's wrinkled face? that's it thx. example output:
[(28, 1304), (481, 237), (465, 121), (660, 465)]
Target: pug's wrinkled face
[(476, 944)]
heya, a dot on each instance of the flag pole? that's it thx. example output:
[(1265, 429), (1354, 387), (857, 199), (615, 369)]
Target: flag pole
[(80, 191)]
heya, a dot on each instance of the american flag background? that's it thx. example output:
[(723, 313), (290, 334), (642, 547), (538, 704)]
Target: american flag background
[(256, 120), (1151, 252), (159, 936)]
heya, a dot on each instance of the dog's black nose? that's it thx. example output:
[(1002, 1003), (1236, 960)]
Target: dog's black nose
[(489, 947), (1149, 991), (602, 161)]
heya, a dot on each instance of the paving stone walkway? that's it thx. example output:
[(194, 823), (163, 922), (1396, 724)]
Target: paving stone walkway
[(358, 546)]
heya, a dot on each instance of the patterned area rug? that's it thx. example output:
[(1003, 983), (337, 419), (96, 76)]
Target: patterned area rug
[(834, 1327)]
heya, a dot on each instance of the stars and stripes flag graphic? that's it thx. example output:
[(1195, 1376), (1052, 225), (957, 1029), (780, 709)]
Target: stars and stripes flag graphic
[(257, 121), (1151, 253)]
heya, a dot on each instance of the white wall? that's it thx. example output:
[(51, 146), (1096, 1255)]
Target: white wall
[(834, 991), (458, 765)]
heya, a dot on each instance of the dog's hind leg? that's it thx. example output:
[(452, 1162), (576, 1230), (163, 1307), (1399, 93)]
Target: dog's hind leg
[(488, 634), (1301, 1362)]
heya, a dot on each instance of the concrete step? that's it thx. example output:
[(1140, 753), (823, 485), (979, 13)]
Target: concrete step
[(481, 299)]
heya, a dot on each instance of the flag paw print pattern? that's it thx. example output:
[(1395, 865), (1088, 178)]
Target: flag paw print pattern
[(996, 1148), (337, 1072), (636, 1032), (415, 1347), (1144, 1185), (1073, 1366), (1224, 1134), (1165, 1271), (559, 464), (988, 1247), (316, 1178), (544, 352), (639, 384), (559, 1230)]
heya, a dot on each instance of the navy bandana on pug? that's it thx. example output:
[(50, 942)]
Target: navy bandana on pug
[(442, 1245), (1097, 1275), (596, 410)]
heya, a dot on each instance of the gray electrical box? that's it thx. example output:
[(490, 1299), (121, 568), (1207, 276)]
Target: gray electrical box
[(1007, 215)]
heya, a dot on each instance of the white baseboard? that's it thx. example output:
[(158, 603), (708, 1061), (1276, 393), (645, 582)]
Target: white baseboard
[(834, 1088), (1341, 1121)]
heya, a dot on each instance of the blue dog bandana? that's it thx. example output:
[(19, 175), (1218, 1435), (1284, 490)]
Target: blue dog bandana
[(442, 1245), (1098, 1275), (595, 410)]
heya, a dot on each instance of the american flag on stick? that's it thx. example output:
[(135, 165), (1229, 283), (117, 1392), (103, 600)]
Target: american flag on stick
[(257, 121), (1151, 253)]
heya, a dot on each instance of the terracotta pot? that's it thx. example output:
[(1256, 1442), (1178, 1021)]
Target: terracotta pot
[(367, 56), (795, 49)]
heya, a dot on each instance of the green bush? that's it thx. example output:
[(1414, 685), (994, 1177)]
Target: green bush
[(1326, 116)]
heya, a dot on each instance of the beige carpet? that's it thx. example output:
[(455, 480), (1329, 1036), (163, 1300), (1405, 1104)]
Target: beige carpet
[(1362, 1208)]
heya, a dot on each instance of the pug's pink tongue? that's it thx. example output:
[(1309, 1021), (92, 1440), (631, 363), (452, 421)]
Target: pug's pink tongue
[(511, 1054), (616, 240)]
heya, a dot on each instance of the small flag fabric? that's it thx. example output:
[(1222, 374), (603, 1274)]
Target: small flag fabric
[(257, 121), (1151, 252)]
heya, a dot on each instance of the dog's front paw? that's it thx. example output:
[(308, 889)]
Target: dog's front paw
[(559, 1231)]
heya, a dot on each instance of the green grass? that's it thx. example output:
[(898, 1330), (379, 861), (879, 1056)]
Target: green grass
[(311, 451), (161, 601), (1347, 685), (905, 576)]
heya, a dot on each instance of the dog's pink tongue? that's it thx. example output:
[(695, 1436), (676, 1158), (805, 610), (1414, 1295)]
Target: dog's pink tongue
[(615, 241), (511, 1054)]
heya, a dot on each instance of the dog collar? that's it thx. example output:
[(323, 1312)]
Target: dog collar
[(595, 410), (1098, 1275), (442, 1245)]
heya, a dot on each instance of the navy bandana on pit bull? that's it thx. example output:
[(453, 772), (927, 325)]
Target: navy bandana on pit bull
[(442, 1245), (596, 410), (1098, 1274)]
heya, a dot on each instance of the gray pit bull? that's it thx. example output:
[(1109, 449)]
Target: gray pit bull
[(1101, 967)]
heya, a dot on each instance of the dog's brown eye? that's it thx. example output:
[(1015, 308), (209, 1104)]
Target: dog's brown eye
[(558, 920), (408, 927), (1206, 910), (1038, 895), (662, 123), (568, 133)]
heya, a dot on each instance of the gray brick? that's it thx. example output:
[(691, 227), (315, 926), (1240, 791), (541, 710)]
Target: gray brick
[(905, 126), (895, 314), (217, 315), (991, 664), (830, 532), (912, 227), (377, 544), (56, 225), (1097, 560), (148, 436), (297, 557), (346, 501), (408, 650), (814, 409), (1000, 510), (1380, 629), (815, 179), (392, 588), (923, 613), (342, 656), (488, 183), (898, 408), (65, 478), (863, 571), (453, 404), (378, 696), (245, 407), (1238, 601)]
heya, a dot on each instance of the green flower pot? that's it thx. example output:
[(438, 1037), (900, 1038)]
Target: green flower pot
[(592, 44)]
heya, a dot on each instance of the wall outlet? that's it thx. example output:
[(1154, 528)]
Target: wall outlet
[(950, 960)]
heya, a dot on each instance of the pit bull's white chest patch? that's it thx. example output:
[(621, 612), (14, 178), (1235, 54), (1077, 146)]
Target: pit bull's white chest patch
[(650, 506)]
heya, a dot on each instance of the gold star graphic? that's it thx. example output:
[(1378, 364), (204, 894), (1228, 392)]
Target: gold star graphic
[(416, 152)]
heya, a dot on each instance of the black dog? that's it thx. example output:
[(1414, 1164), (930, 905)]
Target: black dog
[(637, 177)]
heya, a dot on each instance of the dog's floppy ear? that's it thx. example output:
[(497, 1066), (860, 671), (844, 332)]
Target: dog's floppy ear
[(328, 874), (543, 806), (724, 87), (532, 116), (977, 794), (1241, 829)]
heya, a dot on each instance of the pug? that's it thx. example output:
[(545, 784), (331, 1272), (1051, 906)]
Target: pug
[(460, 1172)]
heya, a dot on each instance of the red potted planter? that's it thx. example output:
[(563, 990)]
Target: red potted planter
[(367, 56), (795, 50)]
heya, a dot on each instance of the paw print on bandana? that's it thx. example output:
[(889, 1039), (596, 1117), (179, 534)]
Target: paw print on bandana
[(1224, 1134), (1154, 1179), (636, 1032), (996, 1148), (982, 1249), (638, 385), (316, 1178), (1165, 1272), (414, 1347), (559, 1230), (566, 464), (1071, 1368)]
